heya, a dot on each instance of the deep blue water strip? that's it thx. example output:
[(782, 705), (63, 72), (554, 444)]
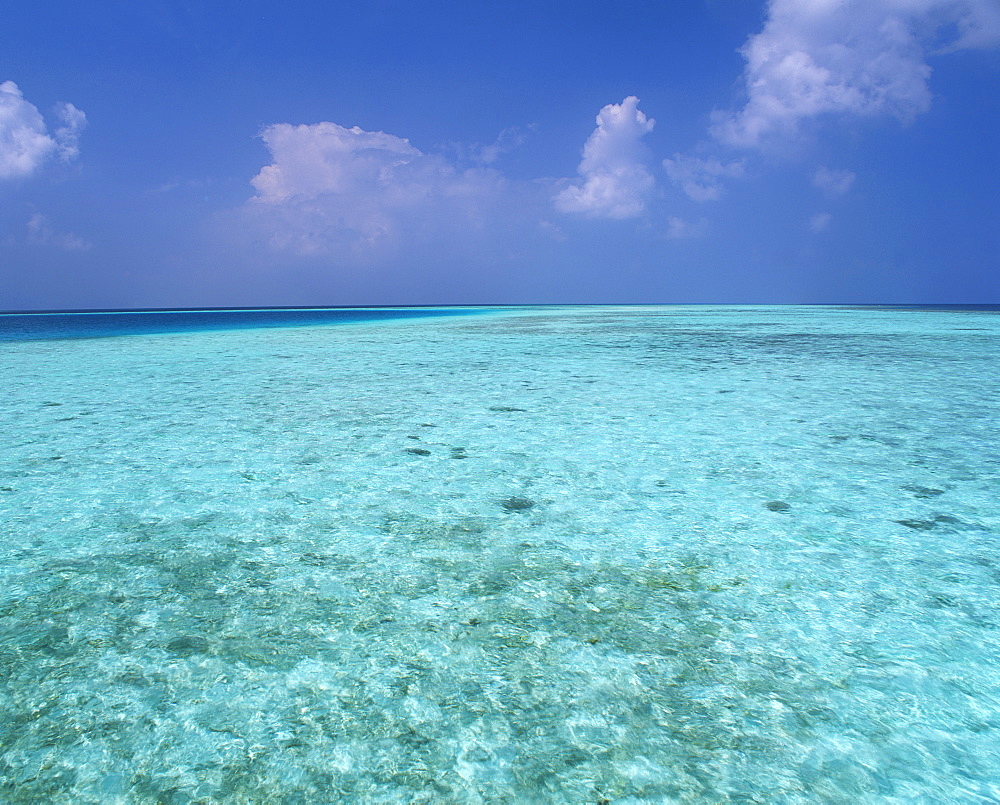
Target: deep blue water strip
[(47, 326), (104, 324)]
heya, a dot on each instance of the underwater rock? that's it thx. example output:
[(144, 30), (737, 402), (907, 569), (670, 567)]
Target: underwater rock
[(516, 504), (922, 491), (52, 640), (927, 525), (917, 525), (458, 452), (418, 451), (188, 645), (777, 506)]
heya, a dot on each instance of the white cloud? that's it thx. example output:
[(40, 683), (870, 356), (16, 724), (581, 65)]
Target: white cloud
[(41, 233), (856, 57), (833, 181), (369, 196), (67, 136), (25, 143), (616, 183), (701, 179), (820, 221), (978, 23), (325, 158), (334, 190)]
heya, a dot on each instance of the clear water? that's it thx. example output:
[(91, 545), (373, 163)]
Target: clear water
[(541, 555)]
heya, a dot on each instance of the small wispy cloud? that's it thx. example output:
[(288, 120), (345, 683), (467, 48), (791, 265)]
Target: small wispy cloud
[(678, 228), (615, 181), (701, 179), (181, 184), (67, 136), (509, 139), (832, 181), (820, 221), (41, 233), (25, 142), (554, 231)]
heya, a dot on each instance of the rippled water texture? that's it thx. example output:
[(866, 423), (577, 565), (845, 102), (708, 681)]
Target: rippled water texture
[(569, 555)]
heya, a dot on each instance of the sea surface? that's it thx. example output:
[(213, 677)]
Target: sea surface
[(568, 555)]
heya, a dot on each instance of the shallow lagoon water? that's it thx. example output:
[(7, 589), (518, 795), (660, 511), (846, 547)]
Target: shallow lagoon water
[(633, 555)]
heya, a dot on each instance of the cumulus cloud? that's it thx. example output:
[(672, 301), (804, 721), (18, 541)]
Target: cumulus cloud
[(25, 142), (336, 190), (41, 233), (832, 181), (856, 57), (616, 183), (324, 158), (701, 179)]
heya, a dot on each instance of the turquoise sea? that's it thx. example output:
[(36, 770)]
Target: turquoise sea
[(570, 554)]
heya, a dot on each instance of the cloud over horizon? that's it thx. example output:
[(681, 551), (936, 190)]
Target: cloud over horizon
[(363, 195), (823, 57), (616, 182), (351, 192), (25, 143)]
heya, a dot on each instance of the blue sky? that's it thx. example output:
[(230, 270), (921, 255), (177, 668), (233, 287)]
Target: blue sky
[(162, 154)]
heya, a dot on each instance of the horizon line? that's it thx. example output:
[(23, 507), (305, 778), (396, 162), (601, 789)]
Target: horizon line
[(251, 308)]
